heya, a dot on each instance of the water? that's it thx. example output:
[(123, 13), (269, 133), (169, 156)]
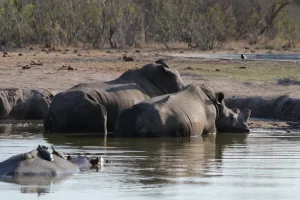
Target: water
[(267, 57), (262, 165)]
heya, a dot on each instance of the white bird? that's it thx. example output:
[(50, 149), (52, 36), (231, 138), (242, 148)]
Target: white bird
[(244, 57)]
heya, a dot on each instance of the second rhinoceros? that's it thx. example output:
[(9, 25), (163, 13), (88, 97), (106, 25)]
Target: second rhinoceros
[(192, 111)]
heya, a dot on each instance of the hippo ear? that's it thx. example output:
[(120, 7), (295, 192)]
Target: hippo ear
[(220, 97)]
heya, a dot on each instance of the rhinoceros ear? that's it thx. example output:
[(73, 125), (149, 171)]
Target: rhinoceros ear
[(166, 70), (162, 62), (220, 97)]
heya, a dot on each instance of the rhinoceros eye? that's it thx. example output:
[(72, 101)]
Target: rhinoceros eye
[(233, 118)]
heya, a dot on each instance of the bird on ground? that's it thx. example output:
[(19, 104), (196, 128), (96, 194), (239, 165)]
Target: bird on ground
[(244, 57)]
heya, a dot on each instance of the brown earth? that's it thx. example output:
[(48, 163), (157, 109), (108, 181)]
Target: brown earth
[(59, 69)]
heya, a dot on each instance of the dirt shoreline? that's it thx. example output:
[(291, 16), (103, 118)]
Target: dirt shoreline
[(48, 69)]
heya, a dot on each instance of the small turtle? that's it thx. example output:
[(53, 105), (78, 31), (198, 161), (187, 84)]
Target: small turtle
[(59, 154), (26, 156), (69, 157), (44, 153)]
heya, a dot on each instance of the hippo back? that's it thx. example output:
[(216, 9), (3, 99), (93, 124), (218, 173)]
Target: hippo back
[(36, 166), (83, 162)]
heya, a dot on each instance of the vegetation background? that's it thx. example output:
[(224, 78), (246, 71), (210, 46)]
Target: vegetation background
[(200, 24)]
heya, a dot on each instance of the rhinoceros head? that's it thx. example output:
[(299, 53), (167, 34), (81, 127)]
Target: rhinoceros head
[(164, 78), (231, 120)]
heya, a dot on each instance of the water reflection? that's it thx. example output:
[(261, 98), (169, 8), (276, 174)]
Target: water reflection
[(225, 140), (19, 129), (156, 160), (258, 165), (147, 161), (38, 185)]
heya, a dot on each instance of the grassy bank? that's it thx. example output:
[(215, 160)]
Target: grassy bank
[(239, 70)]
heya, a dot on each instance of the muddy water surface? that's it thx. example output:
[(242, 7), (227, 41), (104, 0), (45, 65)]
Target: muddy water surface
[(262, 165)]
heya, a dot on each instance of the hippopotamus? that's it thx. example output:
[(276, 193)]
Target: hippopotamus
[(195, 110), (94, 107), (41, 163), (36, 166)]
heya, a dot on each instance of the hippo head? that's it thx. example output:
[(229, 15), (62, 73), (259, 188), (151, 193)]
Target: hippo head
[(163, 77), (231, 120)]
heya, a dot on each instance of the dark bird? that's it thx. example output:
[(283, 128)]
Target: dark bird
[(59, 154), (44, 153), (243, 57), (127, 58), (98, 161), (95, 161)]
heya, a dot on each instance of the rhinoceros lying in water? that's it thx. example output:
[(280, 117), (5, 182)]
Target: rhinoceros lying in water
[(192, 111), (94, 107), (24, 103)]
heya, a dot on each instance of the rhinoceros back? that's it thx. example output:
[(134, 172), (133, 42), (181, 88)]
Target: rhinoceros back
[(74, 111), (84, 106)]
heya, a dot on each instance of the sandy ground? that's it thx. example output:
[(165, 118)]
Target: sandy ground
[(93, 66), (48, 69)]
